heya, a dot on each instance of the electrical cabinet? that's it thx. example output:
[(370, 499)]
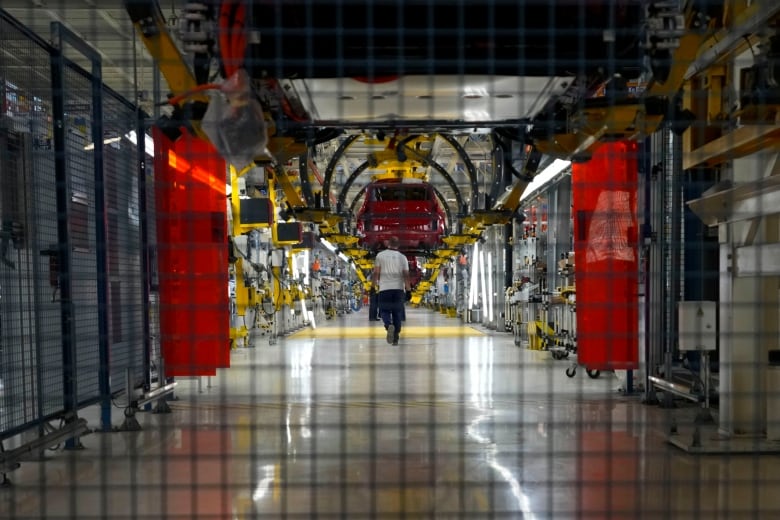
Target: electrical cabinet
[(697, 325)]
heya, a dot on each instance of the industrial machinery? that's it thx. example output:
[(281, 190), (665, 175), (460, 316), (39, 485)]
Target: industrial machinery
[(409, 211), (639, 60)]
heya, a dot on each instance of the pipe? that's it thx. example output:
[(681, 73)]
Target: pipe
[(9, 460), (470, 168), (332, 166), (674, 388), (155, 394)]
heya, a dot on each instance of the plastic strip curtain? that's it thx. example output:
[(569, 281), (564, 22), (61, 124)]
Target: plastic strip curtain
[(604, 192)]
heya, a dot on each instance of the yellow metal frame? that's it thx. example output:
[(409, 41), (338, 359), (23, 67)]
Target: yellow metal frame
[(341, 239), (396, 173), (235, 202), (759, 127), (589, 126), (629, 120), (170, 61)]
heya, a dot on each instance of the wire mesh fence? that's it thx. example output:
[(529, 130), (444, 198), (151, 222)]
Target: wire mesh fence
[(31, 368), (51, 312), (593, 334)]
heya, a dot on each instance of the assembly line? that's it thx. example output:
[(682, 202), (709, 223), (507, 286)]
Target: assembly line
[(433, 259)]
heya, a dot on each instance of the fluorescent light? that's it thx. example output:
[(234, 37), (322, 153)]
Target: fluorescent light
[(306, 267), (474, 271), (304, 310), (311, 320), (490, 285), (484, 284), (107, 140), (148, 142), (546, 175), (294, 262), (344, 257), (330, 247)]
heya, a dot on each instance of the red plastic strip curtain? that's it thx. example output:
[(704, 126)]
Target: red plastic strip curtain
[(604, 192), (192, 256)]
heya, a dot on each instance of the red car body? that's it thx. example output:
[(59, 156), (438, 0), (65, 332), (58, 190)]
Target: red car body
[(409, 211)]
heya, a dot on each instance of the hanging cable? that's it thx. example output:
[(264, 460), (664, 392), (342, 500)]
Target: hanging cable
[(175, 100), (232, 36)]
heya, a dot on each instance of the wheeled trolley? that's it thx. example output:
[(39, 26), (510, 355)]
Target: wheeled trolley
[(572, 371)]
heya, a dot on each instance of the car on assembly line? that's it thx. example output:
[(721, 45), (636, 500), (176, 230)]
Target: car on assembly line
[(408, 210)]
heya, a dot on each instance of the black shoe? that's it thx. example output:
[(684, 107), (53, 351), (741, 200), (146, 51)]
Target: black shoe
[(395, 343), (391, 333)]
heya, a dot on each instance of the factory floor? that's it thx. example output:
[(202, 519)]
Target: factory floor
[(455, 422)]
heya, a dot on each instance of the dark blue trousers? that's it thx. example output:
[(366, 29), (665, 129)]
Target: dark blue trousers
[(373, 306), (391, 308)]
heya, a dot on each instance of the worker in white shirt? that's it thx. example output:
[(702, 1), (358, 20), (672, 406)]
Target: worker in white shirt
[(391, 277)]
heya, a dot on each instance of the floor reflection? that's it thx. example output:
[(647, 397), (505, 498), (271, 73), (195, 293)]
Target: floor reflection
[(457, 427)]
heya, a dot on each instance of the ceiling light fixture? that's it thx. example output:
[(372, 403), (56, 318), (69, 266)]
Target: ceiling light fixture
[(546, 176), (107, 140)]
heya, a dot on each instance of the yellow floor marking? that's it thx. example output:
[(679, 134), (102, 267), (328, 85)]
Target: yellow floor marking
[(378, 332)]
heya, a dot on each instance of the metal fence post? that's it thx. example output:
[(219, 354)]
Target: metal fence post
[(60, 37), (63, 234), (101, 248), (143, 212)]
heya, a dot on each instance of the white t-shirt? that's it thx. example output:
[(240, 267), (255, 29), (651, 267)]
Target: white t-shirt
[(392, 265)]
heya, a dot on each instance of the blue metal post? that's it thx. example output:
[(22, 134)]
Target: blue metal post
[(60, 37), (63, 234)]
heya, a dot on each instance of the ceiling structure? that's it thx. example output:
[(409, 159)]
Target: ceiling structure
[(413, 70), (126, 65)]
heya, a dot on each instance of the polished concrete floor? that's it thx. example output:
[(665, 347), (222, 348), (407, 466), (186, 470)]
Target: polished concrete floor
[(455, 422)]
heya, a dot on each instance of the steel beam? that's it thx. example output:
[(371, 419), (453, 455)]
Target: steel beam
[(738, 143), (9, 460), (746, 201)]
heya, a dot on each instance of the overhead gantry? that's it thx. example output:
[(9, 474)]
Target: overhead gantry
[(685, 49)]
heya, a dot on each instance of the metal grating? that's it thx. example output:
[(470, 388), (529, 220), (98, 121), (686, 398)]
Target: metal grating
[(77, 88), (30, 334), (17, 339), (120, 169), (457, 421)]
